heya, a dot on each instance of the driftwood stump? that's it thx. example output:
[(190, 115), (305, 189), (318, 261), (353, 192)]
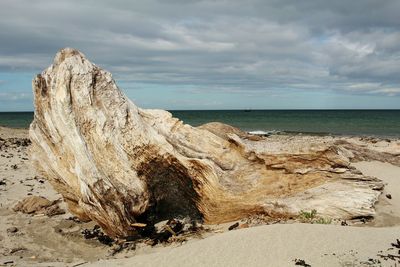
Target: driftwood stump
[(117, 164)]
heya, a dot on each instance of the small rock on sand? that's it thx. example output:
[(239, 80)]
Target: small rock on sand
[(12, 230), (32, 204), (233, 226), (38, 205)]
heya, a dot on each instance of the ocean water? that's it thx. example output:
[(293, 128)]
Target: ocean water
[(384, 123), (16, 119)]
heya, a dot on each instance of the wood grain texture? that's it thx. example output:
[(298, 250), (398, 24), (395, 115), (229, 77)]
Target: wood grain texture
[(117, 164)]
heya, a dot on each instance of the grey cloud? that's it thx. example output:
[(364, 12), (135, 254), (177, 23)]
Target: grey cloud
[(227, 45)]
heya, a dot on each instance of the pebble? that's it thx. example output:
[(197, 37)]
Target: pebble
[(12, 230), (233, 226)]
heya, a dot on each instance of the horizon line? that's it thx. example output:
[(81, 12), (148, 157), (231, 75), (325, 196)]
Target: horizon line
[(249, 109)]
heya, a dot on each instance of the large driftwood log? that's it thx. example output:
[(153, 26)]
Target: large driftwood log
[(117, 164)]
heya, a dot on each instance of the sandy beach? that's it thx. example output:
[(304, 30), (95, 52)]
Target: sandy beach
[(56, 240), (199, 133)]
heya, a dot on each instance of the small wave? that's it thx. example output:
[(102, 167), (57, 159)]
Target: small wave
[(263, 133), (272, 132)]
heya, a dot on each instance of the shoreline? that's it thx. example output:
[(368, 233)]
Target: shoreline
[(267, 133), (367, 123), (58, 241)]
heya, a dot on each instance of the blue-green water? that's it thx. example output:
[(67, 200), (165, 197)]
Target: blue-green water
[(342, 122), (16, 119)]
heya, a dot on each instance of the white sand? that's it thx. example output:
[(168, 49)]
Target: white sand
[(388, 210), (273, 245)]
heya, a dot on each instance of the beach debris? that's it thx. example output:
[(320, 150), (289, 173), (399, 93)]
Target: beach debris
[(389, 196), (38, 179), (89, 234), (233, 226), (3, 182), (13, 143), (369, 262), (140, 225), (173, 230), (300, 262), (14, 166), (38, 205), (116, 248), (365, 219), (74, 219), (391, 256), (79, 264), (12, 229), (21, 141), (96, 233), (265, 218), (396, 244), (163, 232), (136, 165), (17, 249)]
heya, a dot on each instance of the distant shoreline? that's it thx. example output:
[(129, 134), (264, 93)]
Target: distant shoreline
[(364, 123), (283, 133)]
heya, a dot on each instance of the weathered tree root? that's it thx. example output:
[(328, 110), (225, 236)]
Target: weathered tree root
[(117, 164)]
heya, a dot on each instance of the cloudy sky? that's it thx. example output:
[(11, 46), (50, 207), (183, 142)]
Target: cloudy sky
[(189, 54)]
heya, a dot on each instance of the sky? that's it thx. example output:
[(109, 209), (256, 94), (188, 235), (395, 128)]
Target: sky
[(189, 54)]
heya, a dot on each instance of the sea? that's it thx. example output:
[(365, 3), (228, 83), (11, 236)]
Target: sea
[(380, 123)]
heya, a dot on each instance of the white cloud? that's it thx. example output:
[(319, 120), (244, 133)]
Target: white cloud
[(14, 96)]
